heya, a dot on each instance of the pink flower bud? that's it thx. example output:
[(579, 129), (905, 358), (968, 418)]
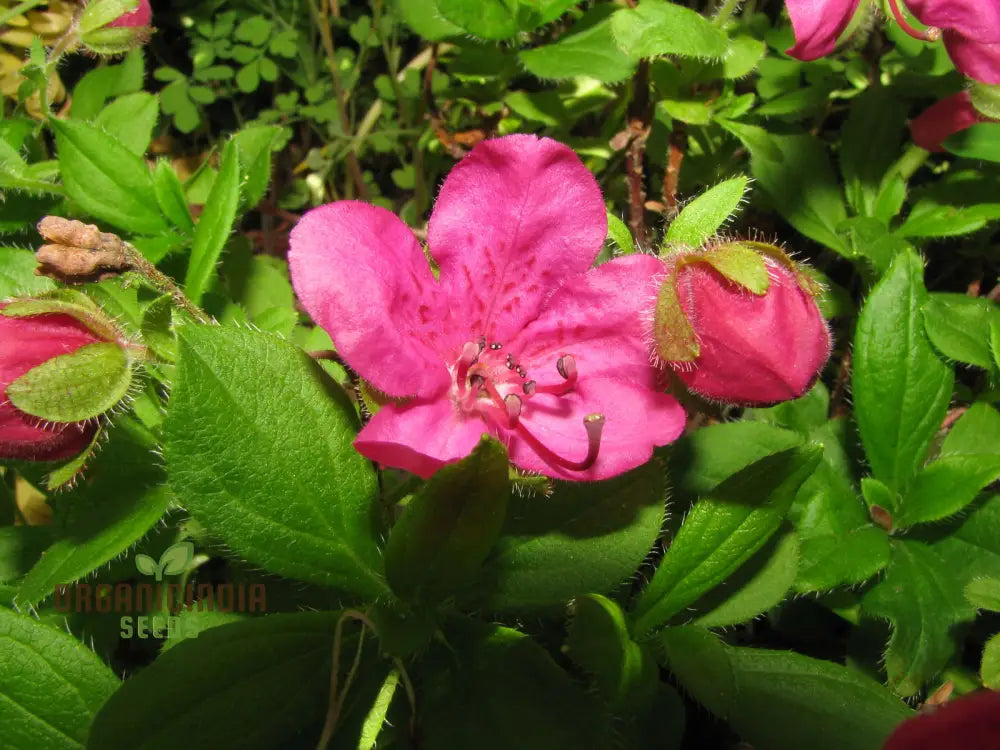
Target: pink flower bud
[(25, 343), (940, 120), (747, 348), (972, 721), (141, 16)]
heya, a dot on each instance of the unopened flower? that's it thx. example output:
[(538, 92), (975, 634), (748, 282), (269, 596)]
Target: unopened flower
[(518, 337), (738, 323), (972, 721), (141, 16), (818, 24), (946, 117), (27, 343), (113, 27)]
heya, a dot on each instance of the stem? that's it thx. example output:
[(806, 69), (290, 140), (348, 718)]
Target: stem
[(725, 12), (911, 160), (163, 283), (675, 157), (338, 696), (638, 127)]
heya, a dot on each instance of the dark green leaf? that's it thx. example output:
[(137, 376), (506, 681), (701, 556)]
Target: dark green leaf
[(869, 143), (591, 52), (946, 486), (657, 28), (959, 327)]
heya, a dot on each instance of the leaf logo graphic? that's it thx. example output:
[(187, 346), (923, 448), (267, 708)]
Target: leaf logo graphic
[(174, 560)]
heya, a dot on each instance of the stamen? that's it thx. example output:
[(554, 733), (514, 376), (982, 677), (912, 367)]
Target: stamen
[(592, 423), (513, 404), (566, 365), (470, 355), (510, 362), (496, 346), (930, 34), (482, 344), (521, 371), (529, 388)]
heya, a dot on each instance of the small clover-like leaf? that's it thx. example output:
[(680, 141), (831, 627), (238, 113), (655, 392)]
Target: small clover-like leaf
[(145, 565), (176, 558)]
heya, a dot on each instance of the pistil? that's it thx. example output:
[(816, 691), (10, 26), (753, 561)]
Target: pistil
[(592, 423), (930, 34)]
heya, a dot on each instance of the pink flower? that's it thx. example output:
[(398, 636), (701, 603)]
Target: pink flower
[(971, 31), (518, 338), (752, 349), (942, 119), (141, 16), (972, 721), (27, 343), (818, 24)]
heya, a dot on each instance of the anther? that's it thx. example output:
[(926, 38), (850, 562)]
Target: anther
[(529, 388), (512, 402), (592, 423), (930, 34), (470, 355), (566, 365), (521, 371), (510, 362), (482, 344), (496, 345)]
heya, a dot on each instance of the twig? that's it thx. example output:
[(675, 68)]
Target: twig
[(675, 157), (638, 128)]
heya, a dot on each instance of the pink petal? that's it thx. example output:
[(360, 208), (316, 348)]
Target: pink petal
[(942, 119), (363, 277), (977, 20), (420, 436), (602, 318), (817, 25), (979, 61), (636, 419), (141, 16), (25, 438), (513, 219), (970, 721)]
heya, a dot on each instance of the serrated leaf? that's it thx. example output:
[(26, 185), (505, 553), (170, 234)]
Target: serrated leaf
[(946, 486), (702, 217), (74, 387), (591, 52), (300, 505), (620, 234), (984, 593), (116, 504), (656, 28), (215, 224), (17, 273), (105, 178), (157, 328), (131, 119), (823, 705), (976, 431), (721, 532), (901, 387), (959, 327), (105, 82), (255, 161), (919, 598), (51, 685), (449, 526), (587, 537)]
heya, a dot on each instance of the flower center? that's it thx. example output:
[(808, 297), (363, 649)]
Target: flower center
[(930, 34), (493, 384)]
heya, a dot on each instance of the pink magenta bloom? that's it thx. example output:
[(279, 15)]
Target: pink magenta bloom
[(818, 24), (27, 343), (518, 337), (972, 721), (971, 31), (753, 349), (942, 119), (141, 16)]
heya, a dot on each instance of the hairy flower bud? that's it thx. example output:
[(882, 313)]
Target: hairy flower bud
[(113, 27), (141, 16), (947, 117), (738, 323), (972, 721), (62, 363)]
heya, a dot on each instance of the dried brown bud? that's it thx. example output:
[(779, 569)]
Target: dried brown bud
[(79, 252)]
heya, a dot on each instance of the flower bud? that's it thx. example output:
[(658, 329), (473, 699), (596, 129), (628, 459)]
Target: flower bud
[(942, 119), (972, 721), (738, 323), (62, 363), (113, 27)]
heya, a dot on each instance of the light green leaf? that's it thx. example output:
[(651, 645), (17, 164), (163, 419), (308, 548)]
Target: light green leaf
[(170, 196), (255, 161), (702, 217), (946, 486), (51, 685), (901, 387), (215, 224), (591, 52), (131, 119), (984, 593), (620, 234), (157, 328), (489, 19), (976, 431), (959, 327), (262, 455), (105, 82), (990, 670), (981, 141), (656, 28), (17, 274), (374, 722)]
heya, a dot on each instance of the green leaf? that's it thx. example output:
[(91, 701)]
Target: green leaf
[(262, 454), (587, 537), (105, 178), (620, 234), (255, 161), (51, 685), (702, 217), (248, 79), (374, 722), (976, 431), (757, 587), (17, 274), (795, 172), (533, 704), (101, 84), (959, 327), (146, 565), (591, 52), (157, 328), (598, 641), (946, 486), (489, 19), (254, 30), (984, 593), (822, 705), (990, 670), (170, 196), (176, 558), (119, 501), (130, 120), (76, 386), (656, 28), (261, 286), (263, 682), (869, 144), (922, 620), (20, 548), (215, 224), (901, 387), (722, 531), (424, 18), (449, 526), (981, 141)]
